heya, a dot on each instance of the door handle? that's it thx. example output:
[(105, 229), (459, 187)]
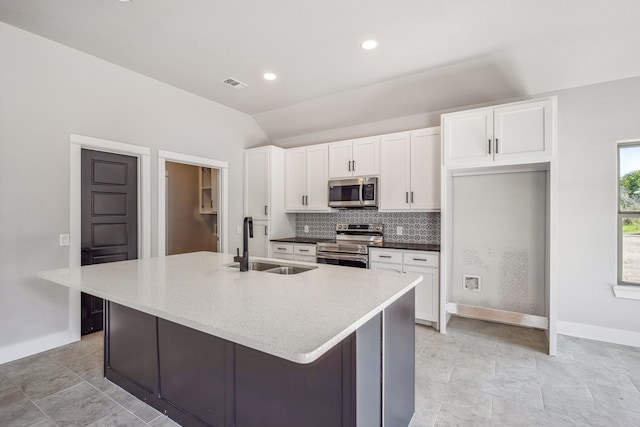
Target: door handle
[(265, 210), (489, 146), (266, 233), (354, 166), (306, 200), (349, 165), (302, 200), (406, 197), (412, 197), (496, 145)]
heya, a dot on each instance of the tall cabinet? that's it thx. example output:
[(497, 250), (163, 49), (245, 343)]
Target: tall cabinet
[(264, 173)]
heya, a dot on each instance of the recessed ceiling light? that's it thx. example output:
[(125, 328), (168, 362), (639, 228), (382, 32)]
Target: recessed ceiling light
[(369, 44), (269, 76)]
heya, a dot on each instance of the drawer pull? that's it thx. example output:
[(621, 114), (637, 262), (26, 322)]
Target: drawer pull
[(282, 249), (420, 259), (384, 256), (303, 250)]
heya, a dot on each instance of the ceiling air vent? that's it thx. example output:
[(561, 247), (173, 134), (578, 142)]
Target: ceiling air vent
[(236, 84)]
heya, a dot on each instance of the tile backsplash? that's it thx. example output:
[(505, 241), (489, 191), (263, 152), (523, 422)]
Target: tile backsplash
[(417, 227)]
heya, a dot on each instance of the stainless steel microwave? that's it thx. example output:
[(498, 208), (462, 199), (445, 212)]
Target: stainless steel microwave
[(353, 193)]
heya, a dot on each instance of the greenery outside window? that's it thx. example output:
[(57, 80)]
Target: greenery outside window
[(629, 213)]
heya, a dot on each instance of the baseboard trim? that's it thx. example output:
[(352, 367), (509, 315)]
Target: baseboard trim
[(599, 333), (37, 345)]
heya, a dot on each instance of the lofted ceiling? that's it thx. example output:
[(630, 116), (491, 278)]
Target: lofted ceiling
[(433, 54)]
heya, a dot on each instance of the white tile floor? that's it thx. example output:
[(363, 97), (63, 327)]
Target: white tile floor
[(480, 373)]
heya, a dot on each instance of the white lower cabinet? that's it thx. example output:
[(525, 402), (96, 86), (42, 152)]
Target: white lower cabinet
[(259, 243), (293, 251), (420, 262)]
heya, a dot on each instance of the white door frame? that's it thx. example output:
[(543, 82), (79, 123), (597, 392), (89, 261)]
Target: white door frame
[(143, 154), (223, 194)]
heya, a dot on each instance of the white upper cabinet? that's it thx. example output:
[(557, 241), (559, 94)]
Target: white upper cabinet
[(395, 174), (410, 171), (256, 179), (317, 178), (509, 134), (425, 169), (359, 157), (522, 131), (306, 179), (295, 179)]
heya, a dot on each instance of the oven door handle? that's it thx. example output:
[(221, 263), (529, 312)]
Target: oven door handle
[(346, 257)]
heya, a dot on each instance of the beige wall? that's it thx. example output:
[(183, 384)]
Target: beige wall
[(187, 229)]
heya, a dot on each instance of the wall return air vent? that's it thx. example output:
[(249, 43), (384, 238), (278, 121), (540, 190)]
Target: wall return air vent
[(236, 84)]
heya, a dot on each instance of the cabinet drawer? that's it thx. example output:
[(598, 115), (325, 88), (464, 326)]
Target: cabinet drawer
[(282, 248), (386, 256), (304, 249), (389, 267), (305, 258), (426, 259), (286, 257)]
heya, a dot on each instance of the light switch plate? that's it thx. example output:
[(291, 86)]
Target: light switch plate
[(399, 231), (306, 228), (64, 240), (239, 231)]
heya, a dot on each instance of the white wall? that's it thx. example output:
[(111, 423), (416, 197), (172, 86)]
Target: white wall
[(590, 121), (48, 91)]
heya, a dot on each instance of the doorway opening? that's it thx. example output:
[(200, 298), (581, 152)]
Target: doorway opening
[(191, 208), (192, 204)]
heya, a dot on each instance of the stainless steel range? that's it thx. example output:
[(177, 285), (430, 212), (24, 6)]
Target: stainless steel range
[(352, 245)]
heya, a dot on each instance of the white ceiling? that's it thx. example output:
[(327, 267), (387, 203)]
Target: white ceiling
[(433, 54)]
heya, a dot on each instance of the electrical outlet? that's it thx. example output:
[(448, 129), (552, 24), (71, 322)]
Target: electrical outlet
[(239, 230), (306, 228), (490, 250), (64, 240), (399, 231)]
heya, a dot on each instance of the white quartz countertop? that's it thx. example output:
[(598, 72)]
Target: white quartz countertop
[(296, 317)]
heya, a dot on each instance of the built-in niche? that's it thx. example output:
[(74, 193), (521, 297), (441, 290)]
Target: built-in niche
[(499, 240)]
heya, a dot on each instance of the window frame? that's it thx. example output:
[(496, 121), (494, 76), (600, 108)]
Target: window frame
[(621, 214)]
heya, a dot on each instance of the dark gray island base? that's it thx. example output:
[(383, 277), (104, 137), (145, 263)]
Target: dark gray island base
[(198, 379)]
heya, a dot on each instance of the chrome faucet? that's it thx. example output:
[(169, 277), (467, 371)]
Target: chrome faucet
[(247, 231)]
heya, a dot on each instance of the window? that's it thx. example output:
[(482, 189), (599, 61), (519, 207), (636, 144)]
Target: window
[(629, 213)]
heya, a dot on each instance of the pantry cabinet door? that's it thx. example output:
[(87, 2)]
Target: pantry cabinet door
[(256, 182)]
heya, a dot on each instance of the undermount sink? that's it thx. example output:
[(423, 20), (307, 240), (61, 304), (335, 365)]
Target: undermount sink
[(270, 267)]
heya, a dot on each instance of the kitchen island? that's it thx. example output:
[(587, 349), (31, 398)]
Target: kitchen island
[(210, 345)]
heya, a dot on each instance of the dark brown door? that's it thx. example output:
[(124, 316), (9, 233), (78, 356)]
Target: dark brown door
[(109, 219)]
